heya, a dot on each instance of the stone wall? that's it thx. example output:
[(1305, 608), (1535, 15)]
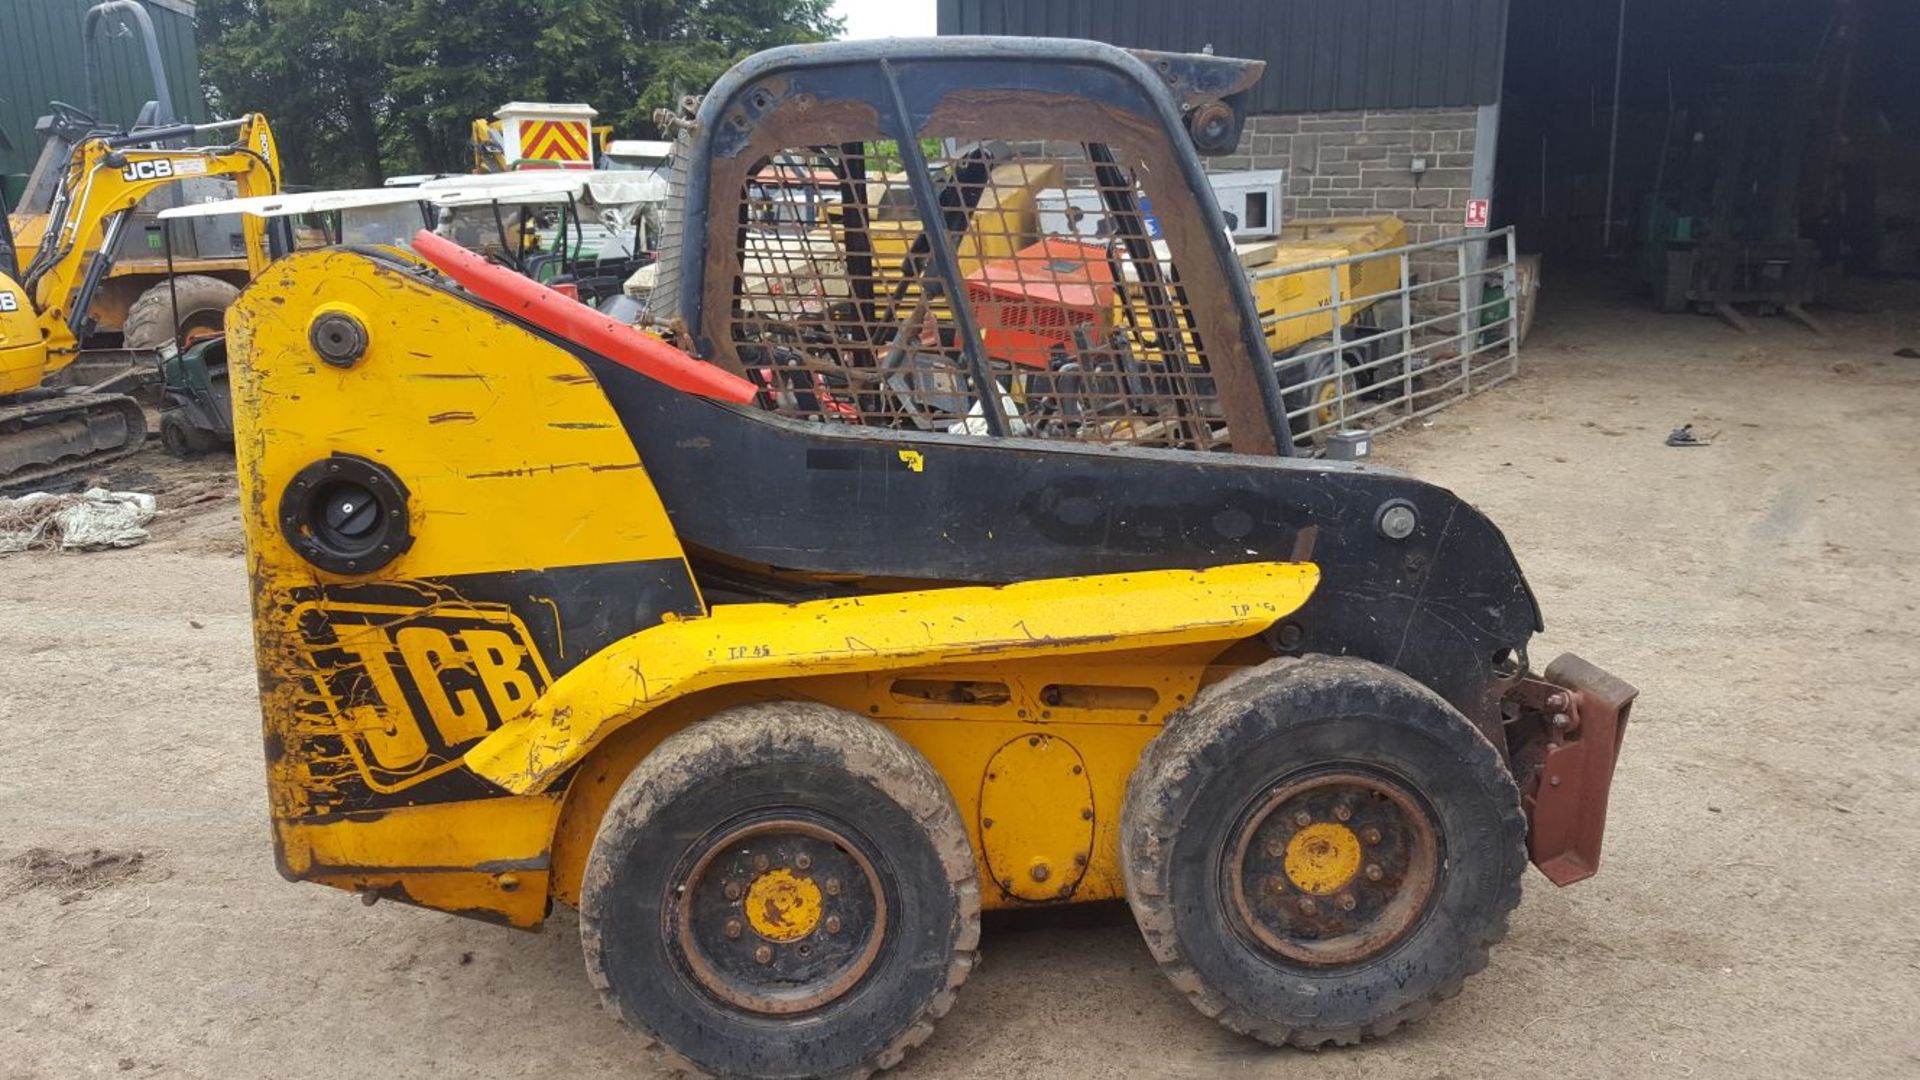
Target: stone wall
[(1361, 163), (1343, 163)]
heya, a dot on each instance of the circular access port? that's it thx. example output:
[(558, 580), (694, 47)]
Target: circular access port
[(346, 514), (339, 338)]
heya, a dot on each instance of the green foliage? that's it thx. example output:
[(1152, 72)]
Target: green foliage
[(362, 89), (883, 157)]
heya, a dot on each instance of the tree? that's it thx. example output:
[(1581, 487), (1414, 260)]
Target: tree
[(361, 89)]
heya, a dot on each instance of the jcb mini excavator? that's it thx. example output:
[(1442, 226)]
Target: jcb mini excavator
[(45, 305), (782, 647)]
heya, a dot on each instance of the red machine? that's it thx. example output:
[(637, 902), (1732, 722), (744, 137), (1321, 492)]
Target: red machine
[(1030, 305)]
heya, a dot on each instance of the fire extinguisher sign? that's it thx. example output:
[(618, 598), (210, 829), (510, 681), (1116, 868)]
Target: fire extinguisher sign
[(1477, 210)]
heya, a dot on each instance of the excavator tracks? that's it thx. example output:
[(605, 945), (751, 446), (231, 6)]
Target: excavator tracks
[(48, 436)]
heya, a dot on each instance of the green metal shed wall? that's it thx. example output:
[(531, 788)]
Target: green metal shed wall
[(42, 59)]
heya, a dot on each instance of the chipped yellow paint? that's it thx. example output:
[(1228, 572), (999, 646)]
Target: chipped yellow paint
[(486, 855), (515, 461), (782, 906), (754, 642), (916, 462), (513, 456), (1322, 857)]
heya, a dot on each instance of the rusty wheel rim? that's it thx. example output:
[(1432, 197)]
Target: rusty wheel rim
[(1333, 868), (780, 916)]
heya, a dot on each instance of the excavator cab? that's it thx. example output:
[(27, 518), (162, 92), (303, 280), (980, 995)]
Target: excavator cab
[(941, 549)]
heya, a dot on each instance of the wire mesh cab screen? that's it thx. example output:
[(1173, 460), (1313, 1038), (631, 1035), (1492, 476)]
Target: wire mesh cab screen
[(841, 313), (1028, 260)]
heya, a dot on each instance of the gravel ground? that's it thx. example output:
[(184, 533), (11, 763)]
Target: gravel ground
[(1754, 917)]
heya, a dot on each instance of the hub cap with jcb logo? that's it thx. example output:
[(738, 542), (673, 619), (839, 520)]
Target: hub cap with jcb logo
[(1333, 868), (780, 916)]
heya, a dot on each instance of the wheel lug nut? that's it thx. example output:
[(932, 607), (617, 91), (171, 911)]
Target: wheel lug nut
[(733, 928), (1373, 872), (1275, 849), (1371, 836), (803, 861), (833, 924), (763, 954), (1343, 813), (760, 863), (1303, 819), (732, 890), (1307, 906), (833, 886), (1346, 901)]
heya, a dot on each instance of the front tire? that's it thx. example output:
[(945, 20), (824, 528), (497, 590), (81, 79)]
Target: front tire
[(1317, 850), (781, 890)]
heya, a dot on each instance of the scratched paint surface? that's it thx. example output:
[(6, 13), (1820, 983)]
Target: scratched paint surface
[(739, 643), (416, 732)]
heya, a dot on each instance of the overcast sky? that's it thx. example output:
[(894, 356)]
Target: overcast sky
[(886, 18)]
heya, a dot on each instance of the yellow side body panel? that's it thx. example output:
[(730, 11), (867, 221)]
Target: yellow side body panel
[(893, 632), (435, 735)]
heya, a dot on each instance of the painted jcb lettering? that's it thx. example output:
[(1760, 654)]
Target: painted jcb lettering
[(156, 169), (471, 680), (410, 689), (8, 301)]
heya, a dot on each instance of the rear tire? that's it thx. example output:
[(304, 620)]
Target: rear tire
[(782, 890), (1320, 849), (201, 304), (182, 440)]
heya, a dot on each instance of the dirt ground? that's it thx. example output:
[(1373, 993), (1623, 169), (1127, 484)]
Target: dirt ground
[(1755, 917)]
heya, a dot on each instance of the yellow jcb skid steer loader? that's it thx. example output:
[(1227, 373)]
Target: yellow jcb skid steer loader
[(885, 600)]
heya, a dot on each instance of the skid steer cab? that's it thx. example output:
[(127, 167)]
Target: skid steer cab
[(901, 575)]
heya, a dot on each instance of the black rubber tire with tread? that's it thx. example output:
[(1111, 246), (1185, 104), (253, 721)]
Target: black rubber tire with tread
[(1237, 740), (781, 755), (150, 323)]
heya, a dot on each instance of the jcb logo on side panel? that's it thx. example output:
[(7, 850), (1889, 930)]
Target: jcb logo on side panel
[(159, 169), (8, 301), (409, 688)]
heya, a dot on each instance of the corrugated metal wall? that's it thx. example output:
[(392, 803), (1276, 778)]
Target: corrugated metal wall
[(41, 59), (1320, 54)]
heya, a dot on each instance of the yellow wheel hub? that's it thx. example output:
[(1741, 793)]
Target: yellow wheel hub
[(783, 907), (1329, 393), (1322, 857)]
